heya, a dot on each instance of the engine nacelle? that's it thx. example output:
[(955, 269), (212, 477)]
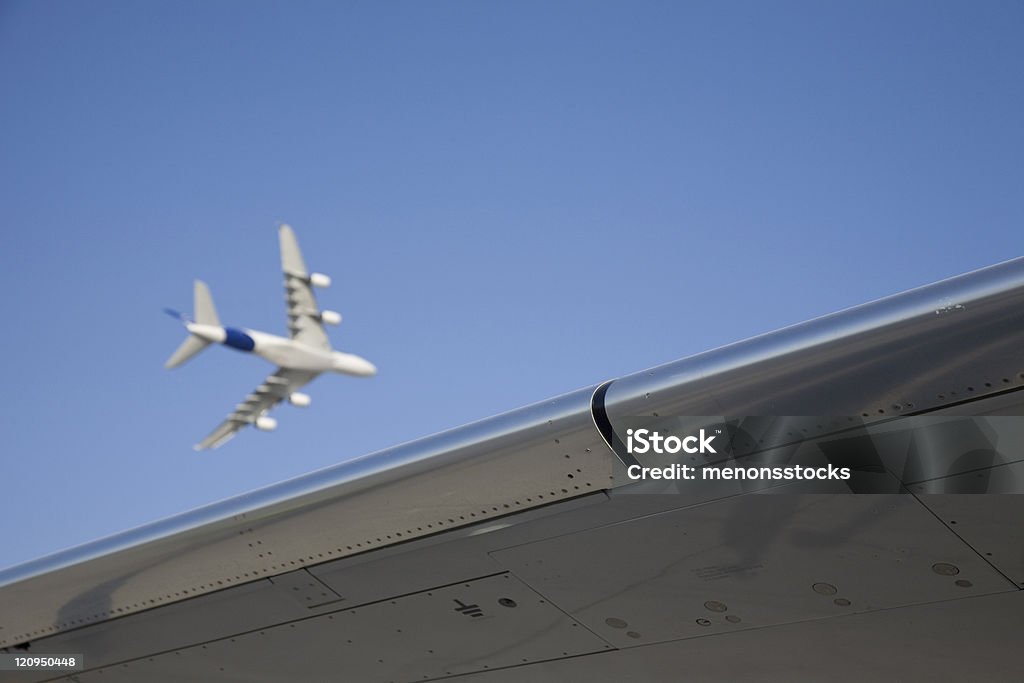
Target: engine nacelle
[(320, 280), (330, 317), (300, 400), (265, 424)]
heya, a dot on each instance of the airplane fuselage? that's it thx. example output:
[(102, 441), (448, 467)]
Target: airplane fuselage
[(284, 352)]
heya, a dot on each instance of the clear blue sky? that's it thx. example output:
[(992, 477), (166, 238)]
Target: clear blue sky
[(515, 200)]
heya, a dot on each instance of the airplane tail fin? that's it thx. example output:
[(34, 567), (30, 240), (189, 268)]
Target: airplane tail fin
[(205, 314), (204, 311)]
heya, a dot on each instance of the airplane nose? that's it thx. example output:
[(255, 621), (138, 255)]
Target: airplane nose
[(351, 364)]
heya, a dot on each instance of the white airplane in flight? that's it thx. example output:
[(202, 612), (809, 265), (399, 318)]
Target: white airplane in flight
[(300, 358)]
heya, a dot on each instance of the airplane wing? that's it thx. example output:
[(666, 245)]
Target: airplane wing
[(304, 323), (511, 549), (274, 389)]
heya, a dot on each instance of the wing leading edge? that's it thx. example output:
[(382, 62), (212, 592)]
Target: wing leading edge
[(304, 315), (272, 391)]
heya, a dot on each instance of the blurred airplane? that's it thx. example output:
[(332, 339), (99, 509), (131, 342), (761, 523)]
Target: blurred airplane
[(302, 356)]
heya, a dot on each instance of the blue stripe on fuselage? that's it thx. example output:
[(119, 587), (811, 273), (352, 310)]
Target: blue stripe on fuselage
[(237, 339)]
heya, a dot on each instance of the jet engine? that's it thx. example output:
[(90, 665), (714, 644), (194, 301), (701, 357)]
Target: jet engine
[(320, 280), (300, 400), (330, 317), (266, 424)]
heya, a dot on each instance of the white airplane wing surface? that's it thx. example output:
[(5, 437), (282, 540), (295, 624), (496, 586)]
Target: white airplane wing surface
[(274, 389), (513, 549), (304, 321)]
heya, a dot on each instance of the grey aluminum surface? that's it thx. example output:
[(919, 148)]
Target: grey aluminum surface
[(878, 552), (991, 524), (946, 642), (427, 635), (756, 559), (954, 340), (417, 566), (305, 589), (526, 458)]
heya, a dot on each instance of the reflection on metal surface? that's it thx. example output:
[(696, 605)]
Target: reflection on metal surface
[(892, 356), (523, 459), (770, 559), (961, 640), (442, 632)]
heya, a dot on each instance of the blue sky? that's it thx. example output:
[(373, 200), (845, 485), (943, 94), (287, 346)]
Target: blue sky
[(514, 199)]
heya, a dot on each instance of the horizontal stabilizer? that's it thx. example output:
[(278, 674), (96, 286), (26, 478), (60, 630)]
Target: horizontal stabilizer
[(177, 315), (190, 347)]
